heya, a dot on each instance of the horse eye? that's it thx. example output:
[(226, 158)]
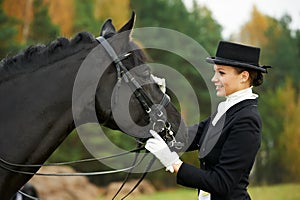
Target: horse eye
[(125, 56)]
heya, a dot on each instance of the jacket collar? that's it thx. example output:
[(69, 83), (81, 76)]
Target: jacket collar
[(240, 105)]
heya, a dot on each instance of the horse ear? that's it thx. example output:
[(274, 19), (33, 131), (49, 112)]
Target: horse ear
[(107, 28), (129, 25)]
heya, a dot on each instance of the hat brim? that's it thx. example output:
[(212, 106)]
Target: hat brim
[(221, 61)]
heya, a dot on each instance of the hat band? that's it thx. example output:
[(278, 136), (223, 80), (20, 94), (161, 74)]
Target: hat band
[(224, 61), (236, 61)]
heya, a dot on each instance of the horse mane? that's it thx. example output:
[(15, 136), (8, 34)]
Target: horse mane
[(36, 56)]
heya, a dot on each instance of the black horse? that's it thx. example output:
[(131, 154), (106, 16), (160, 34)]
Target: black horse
[(37, 97)]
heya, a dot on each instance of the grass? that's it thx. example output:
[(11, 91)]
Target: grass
[(274, 192)]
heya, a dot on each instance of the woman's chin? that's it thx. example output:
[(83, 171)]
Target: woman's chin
[(220, 94)]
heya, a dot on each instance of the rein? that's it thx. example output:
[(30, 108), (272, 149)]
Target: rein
[(26, 195), (5, 164), (9, 166)]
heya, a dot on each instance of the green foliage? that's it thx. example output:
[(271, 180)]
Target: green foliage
[(268, 158), (64, 153), (8, 33), (197, 23), (297, 42), (84, 17), (204, 28), (42, 30), (290, 137), (280, 136), (282, 51)]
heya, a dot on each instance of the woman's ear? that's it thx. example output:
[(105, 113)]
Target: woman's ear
[(245, 77)]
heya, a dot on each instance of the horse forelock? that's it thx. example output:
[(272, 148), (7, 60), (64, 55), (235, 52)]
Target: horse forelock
[(36, 56)]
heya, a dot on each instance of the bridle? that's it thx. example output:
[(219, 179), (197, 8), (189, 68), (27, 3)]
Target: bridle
[(155, 111), (157, 117)]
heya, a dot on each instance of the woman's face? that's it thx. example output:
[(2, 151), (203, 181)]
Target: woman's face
[(228, 81)]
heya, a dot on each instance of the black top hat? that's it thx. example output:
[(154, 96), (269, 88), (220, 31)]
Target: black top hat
[(237, 55)]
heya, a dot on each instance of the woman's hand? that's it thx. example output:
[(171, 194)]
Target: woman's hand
[(160, 149)]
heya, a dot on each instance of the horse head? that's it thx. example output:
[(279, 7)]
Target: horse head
[(117, 99)]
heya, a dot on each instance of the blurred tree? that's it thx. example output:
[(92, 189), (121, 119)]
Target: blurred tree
[(21, 10), (8, 33), (118, 11), (196, 24), (278, 44), (282, 52), (253, 31), (290, 138), (280, 136), (268, 159), (65, 18), (84, 19), (205, 29), (42, 30), (297, 38)]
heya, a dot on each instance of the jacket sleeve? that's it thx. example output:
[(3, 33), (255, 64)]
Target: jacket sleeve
[(237, 157), (194, 134)]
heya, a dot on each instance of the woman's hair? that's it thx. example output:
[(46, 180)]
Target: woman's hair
[(256, 77)]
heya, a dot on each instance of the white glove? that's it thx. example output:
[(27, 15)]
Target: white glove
[(160, 149)]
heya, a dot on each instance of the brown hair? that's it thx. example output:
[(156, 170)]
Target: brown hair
[(256, 77)]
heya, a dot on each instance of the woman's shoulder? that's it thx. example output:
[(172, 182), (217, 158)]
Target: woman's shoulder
[(248, 106), (246, 113)]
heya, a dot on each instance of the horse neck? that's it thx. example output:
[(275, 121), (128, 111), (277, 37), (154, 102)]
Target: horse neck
[(35, 113)]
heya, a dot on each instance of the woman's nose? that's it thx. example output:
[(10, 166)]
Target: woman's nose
[(214, 78)]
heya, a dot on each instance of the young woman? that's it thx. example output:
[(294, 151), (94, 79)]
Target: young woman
[(229, 139)]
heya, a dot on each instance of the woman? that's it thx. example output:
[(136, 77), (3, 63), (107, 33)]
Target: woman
[(229, 139)]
